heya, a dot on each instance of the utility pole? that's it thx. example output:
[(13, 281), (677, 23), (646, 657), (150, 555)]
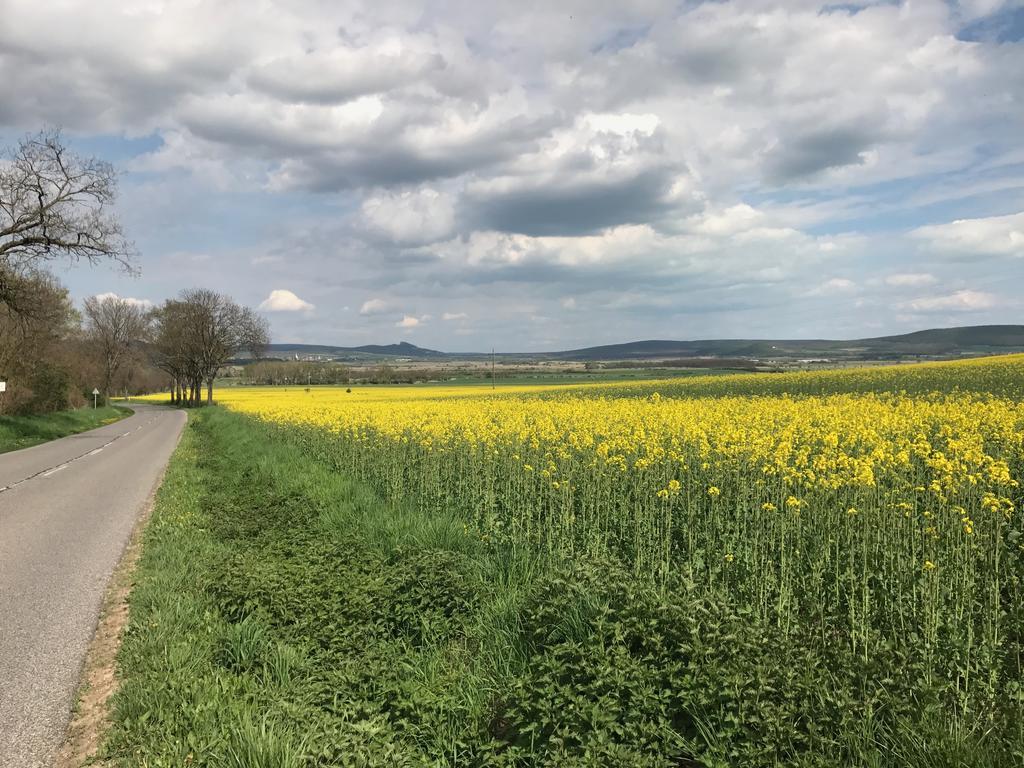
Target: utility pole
[(492, 367)]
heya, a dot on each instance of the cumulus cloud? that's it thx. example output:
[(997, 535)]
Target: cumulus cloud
[(409, 217), (402, 96), (605, 170), (991, 236), (737, 153), (454, 316), (820, 149), (411, 321), (281, 300), (961, 301), (345, 73), (144, 303), (636, 255), (727, 221), (374, 307)]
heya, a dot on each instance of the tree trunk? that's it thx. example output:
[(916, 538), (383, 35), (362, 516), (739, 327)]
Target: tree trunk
[(209, 391), (107, 378)]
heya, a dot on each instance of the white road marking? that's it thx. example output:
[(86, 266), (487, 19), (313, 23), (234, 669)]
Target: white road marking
[(47, 473)]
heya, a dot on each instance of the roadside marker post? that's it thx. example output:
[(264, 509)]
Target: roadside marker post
[(95, 393)]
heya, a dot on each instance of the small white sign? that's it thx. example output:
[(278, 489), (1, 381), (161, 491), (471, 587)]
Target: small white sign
[(95, 391), (3, 386)]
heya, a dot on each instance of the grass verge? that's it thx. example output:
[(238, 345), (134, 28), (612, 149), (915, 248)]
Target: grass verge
[(18, 432), (284, 616)]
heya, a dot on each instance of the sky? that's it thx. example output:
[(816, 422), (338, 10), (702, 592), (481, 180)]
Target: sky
[(531, 176)]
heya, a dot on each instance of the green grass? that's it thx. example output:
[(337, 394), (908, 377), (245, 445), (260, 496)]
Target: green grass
[(286, 616), (25, 431)]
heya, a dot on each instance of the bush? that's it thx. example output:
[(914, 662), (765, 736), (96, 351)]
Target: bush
[(50, 386)]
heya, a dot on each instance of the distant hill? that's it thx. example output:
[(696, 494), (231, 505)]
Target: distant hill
[(936, 342), (402, 349), (367, 351)]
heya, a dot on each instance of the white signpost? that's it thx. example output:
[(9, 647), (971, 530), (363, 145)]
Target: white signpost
[(3, 386), (95, 392)]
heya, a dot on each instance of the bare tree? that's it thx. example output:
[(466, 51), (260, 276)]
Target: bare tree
[(172, 350), (55, 204), (223, 329), (113, 325), (198, 334)]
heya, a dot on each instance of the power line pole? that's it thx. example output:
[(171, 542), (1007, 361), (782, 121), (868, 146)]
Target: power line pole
[(492, 367)]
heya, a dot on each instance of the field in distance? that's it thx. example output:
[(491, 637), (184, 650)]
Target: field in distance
[(809, 568)]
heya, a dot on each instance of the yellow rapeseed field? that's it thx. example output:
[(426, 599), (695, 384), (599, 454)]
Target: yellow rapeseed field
[(881, 502)]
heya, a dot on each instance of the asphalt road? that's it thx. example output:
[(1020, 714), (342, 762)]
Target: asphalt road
[(67, 510)]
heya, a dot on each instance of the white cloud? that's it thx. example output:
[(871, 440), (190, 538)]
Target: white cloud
[(281, 300), (961, 301), (623, 124), (374, 307), (344, 73), (454, 316), (409, 217), (757, 250), (911, 279), (727, 221), (991, 236), (408, 321), (641, 149), (144, 303)]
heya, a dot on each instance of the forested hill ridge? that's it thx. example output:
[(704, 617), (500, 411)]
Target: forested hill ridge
[(935, 342), (367, 351), (967, 340)]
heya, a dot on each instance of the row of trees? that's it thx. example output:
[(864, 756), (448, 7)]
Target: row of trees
[(292, 372), (199, 333), (57, 206), (269, 372), (189, 338)]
